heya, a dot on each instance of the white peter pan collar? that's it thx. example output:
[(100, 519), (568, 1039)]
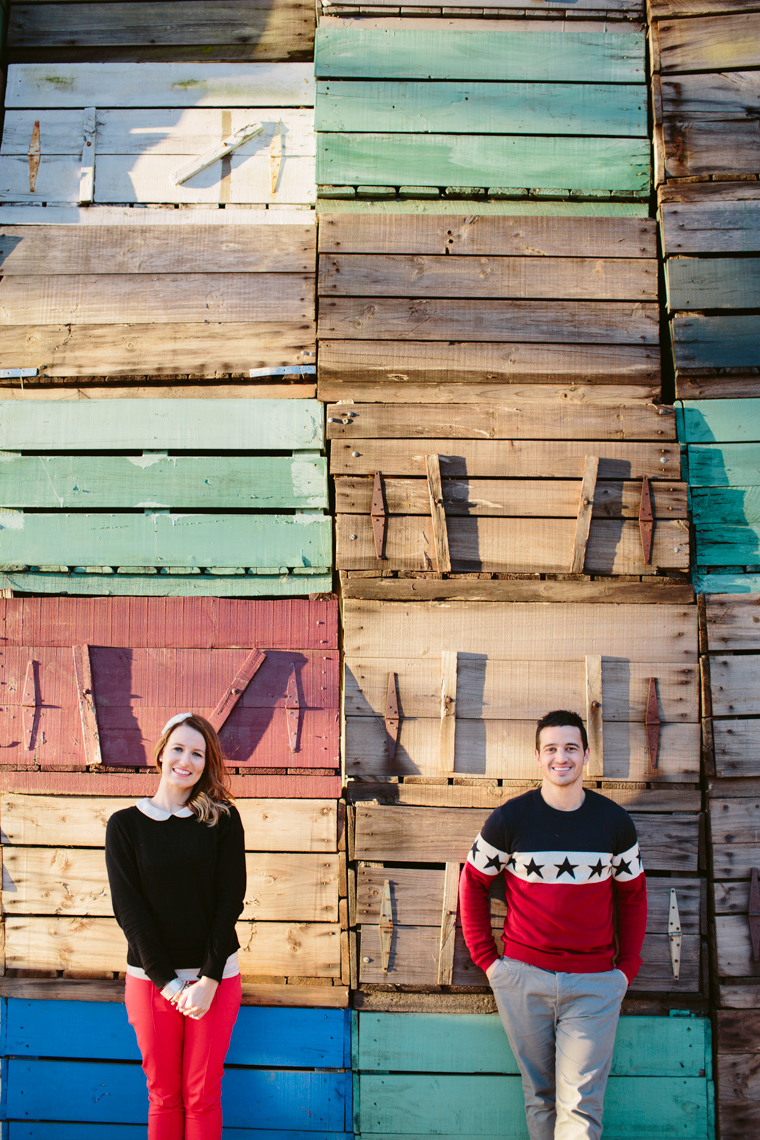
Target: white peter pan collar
[(153, 812)]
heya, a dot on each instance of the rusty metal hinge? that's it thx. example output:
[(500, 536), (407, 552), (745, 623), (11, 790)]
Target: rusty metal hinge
[(652, 724), (646, 521), (379, 515)]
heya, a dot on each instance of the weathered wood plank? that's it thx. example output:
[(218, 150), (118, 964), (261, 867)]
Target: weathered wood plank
[(521, 631), (701, 342), (72, 881), (504, 56), (160, 84), (737, 1032), (489, 794), (511, 544), (712, 283), (723, 421), (274, 948), (155, 298), (724, 465), (496, 108), (400, 362), (165, 350), (663, 9), (269, 30), (708, 124), (478, 235), (709, 192), (733, 946), (504, 690), (719, 545), (271, 825), (52, 250), (126, 216), (732, 623), (736, 747), (504, 749), (601, 590), (495, 497), (710, 43), (498, 420), (160, 424), (735, 686), (710, 227), (269, 994), (94, 482), (575, 163), (715, 507), (504, 459), (417, 275), (391, 318)]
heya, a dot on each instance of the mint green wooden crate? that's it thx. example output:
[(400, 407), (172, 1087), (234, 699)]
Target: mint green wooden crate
[(164, 497), (451, 1076)]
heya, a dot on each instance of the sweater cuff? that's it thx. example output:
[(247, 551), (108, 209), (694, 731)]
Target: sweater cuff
[(630, 967)]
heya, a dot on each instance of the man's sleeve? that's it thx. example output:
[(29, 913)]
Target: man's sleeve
[(485, 860), (630, 901)]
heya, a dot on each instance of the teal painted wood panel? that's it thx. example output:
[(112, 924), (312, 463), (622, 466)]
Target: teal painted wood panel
[(734, 506), (169, 585), (92, 482), (716, 342), (713, 282), (719, 582), (185, 425), (724, 465), (91, 1092), (724, 545), (476, 1043), (482, 108), (558, 57), (719, 421), (165, 539), (482, 160), (636, 1108)]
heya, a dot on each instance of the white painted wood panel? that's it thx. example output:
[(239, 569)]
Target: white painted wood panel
[(232, 215)]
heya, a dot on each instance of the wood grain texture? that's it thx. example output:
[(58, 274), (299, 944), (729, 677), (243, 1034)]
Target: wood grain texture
[(92, 583), (736, 743), (710, 227), (710, 43), (733, 947), (250, 784), (481, 235), (696, 283), (575, 163), (417, 275), (505, 56), (568, 322), (602, 590), (732, 624), (706, 342), (724, 421)]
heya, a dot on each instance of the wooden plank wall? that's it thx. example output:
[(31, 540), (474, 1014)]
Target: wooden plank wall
[(660, 1079), (722, 439), (729, 664), (174, 517), (462, 14), (424, 112), (434, 308), (243, 30), (284, 1065), (512, 489), (415, 807)]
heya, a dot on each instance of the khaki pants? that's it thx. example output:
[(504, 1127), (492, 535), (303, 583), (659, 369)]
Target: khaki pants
[(562, 1031)]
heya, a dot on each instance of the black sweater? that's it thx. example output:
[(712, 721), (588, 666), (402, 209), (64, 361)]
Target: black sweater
[(177, 887)]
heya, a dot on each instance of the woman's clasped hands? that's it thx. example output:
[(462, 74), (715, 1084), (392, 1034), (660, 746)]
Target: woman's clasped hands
[(195, 998)]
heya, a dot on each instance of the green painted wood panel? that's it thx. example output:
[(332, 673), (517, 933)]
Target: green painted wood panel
[(90, 482), (713, 282), (164, 539), (720, 544), (724, 465), (564, 57), (719, 421), (716, 342), (482, 108), (733, 506), (186, 425), (636, 1108), (476, 1043), (725, 583), (519, 207), (168, 585), (482, 160)]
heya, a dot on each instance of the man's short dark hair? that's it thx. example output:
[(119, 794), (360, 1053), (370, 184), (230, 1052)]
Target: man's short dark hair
[(558, 719)]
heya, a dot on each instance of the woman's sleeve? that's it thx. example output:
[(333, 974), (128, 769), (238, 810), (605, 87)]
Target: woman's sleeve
[(129, 907), (229, 886)]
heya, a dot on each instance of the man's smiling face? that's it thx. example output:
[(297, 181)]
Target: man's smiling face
[(561, 756)]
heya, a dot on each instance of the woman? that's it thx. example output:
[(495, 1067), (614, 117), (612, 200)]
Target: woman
[(176, 865)]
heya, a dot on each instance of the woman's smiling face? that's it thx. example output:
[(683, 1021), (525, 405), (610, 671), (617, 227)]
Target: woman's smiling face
[(183, 758)]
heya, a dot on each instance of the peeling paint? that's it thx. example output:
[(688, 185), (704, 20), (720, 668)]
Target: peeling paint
[(11, 520), (144, 460)]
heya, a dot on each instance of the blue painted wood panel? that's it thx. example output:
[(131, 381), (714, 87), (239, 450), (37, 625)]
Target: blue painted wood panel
[(724, 464), (52, 1130), (293, 1038), (731, 341), (719, 421), (91, 1092)]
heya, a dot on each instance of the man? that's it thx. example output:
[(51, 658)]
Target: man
[(568, 855)]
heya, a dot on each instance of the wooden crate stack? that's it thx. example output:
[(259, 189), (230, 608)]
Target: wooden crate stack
[(705, 63)]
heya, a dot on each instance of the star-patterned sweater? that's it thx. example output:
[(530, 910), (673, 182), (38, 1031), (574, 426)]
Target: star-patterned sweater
[(564, 872)]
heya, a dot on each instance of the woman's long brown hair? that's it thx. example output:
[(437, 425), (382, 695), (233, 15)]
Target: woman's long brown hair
[(211, 795)]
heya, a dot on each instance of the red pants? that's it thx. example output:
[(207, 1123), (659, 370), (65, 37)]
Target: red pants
[(183, 1059)]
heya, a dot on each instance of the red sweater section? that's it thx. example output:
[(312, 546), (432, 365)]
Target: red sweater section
[(557, 926)]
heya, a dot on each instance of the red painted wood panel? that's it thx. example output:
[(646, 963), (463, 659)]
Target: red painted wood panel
[(131, 784), (171, 622)]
